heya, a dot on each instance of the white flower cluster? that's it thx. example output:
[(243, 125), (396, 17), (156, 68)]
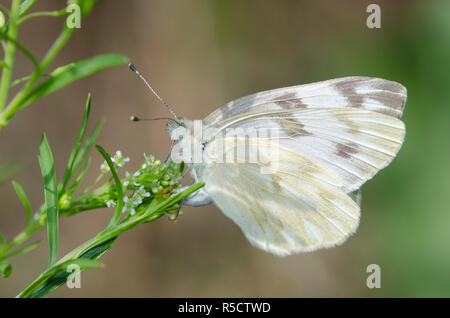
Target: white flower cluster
[(131, 202), (152, 177), (119, 161)]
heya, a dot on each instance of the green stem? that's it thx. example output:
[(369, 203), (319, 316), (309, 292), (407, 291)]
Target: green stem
[(38, 221), (9, 54), (82, 209), (76, 253), (5, 9), (154, 211), (20, 251), (43, 14), (15, 105)]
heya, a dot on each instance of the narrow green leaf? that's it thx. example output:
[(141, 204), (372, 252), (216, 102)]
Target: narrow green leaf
[(21, 47), (20, 80), (25, 78), (176, 198), (51, 197), (99, 250), (20, 251), (44, 287), (5, 269), (24, 6), (116, 217), (63, 76), (43, 14), (82, 154), (55, 277), (76, 147), (24, 199), (5, 9)]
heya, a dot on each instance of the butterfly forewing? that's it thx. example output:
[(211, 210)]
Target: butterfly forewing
[(374, 94)]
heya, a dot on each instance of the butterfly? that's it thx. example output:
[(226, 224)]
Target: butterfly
[(301, 191)]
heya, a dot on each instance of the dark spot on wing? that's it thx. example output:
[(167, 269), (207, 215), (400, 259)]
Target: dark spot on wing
[(346, 150), (288, 100), (290, 104), (389, 112), (293, 128), (286, 96), (382, 94), (284, 104), (354, 99)]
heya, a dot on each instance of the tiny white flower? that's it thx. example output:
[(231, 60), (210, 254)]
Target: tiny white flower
[(149, 158), (104, 167), (119, 160), (131, 179)]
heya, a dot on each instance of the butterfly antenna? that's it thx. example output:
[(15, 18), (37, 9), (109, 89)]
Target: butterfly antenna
[(135, 118), (134, 69)]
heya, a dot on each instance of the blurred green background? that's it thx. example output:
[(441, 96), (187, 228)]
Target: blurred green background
[(201, 54)]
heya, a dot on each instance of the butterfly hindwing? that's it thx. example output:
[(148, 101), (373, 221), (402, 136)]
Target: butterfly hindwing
[(298, 207)]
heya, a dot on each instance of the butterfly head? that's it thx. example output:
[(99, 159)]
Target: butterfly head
[(185, 143), (177, 129)]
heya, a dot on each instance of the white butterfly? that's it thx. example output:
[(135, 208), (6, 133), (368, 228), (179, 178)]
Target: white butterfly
[(333, 136)]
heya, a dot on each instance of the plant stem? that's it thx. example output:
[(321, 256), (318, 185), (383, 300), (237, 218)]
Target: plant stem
[(15, 104), (100, 238), (39, 220), (9, 54), (154, 211), (43, 14)]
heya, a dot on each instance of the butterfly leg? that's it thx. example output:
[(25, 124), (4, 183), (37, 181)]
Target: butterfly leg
[(180, 204), (165, 161), (197, 198)]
